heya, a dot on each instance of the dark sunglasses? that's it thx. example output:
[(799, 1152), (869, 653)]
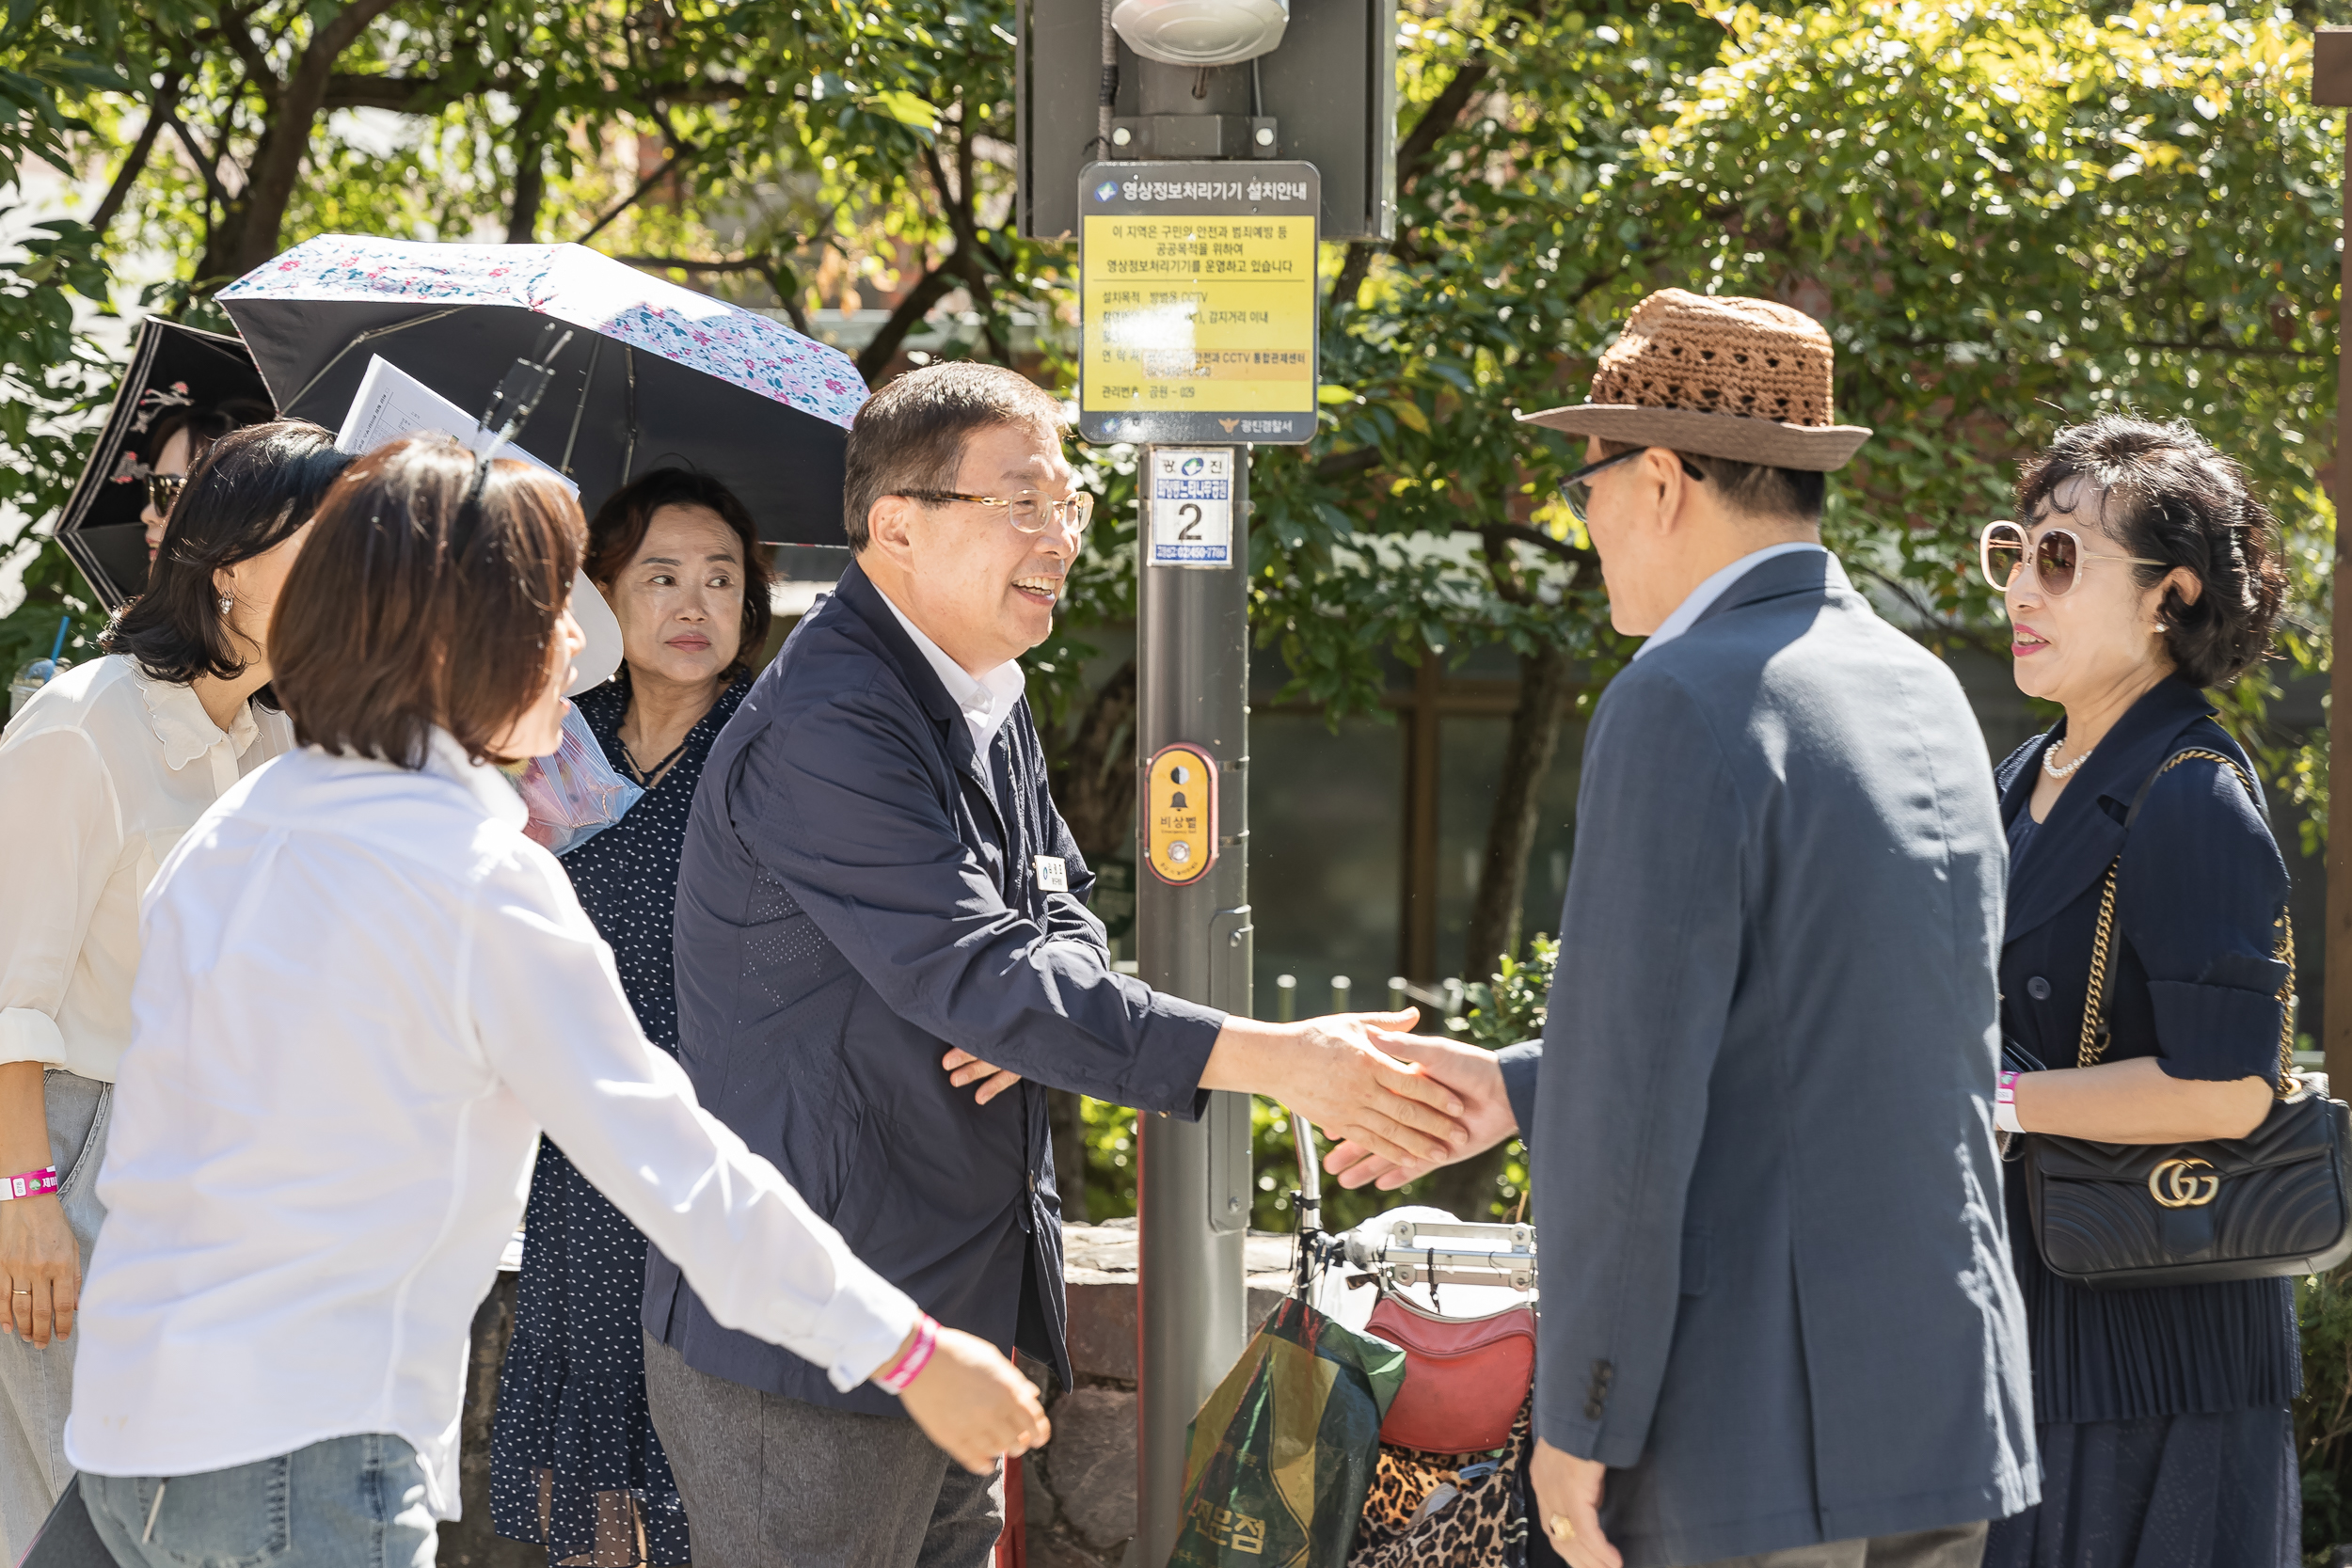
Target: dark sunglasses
[(2057, 557), (163, 489), (1576, 489)]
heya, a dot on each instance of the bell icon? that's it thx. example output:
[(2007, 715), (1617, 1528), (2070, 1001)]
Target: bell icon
[(1176, 801)]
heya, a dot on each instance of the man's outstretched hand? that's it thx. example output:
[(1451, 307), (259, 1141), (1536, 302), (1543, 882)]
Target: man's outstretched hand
[(1330, 1070), (1476, 1080)]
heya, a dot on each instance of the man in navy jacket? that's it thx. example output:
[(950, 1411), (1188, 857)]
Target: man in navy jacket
[(878, 906)]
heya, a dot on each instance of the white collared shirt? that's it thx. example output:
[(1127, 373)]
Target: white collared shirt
[(99, 776), (1703, 597), (366, 992), (986, 701)]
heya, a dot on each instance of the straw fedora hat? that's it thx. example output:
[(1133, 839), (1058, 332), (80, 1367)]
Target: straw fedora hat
[(1742, 379)]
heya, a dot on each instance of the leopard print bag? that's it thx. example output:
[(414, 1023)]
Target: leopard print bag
[(1446, 1511)]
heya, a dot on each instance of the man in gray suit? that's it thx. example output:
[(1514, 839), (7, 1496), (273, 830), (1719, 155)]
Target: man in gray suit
[(1779, 1326)]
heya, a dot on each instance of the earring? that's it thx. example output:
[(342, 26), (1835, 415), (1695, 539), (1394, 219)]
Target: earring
[(226, 601)]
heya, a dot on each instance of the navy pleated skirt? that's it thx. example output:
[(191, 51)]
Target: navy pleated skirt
[(2161, 1492)]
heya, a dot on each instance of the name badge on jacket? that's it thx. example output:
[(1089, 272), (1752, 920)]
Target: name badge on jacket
[(1053, 873)]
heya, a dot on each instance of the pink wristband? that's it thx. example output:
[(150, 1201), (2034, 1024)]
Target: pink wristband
[(2004, 1104), (33, 1184), (894, 1378)]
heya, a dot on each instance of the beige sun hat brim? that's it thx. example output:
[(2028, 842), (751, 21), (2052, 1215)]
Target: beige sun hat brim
[(1735, 436)]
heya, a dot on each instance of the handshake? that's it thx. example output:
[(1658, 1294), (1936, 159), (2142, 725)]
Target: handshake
[(1396, 1104)]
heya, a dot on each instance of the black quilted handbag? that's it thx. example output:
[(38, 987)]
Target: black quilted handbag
[(2119, 1216)]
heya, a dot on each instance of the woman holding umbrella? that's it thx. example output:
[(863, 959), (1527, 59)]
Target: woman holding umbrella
[(100, 775), (574, 1462)]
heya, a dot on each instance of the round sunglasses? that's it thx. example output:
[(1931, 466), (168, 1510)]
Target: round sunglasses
[(2058, 557)]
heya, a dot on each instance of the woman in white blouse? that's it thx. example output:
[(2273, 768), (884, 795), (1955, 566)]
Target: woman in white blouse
[(365, 993), (100, 775)]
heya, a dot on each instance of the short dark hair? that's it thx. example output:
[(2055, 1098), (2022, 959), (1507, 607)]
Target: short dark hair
[(2168, 495), (203, 426), (409, 609), (1752, 489), (618, 529), (253, 488), (909, 436)]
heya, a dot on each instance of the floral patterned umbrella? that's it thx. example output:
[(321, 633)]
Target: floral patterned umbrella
[(654, 374), (173, 367)]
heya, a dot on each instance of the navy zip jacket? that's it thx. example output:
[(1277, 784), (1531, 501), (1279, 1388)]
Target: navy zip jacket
[(2195, 986), (859, 892)]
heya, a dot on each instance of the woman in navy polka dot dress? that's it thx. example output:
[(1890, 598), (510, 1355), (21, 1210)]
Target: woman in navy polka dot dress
[(574, 1462)]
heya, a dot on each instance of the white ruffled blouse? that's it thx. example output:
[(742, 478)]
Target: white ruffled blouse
[(100, 775)]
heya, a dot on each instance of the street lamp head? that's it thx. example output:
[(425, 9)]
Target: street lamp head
[(1200, 32)]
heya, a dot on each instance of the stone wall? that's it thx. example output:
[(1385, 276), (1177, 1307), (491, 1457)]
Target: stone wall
[(1080, 1492)]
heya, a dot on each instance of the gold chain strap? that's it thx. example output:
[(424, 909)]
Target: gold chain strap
[(2093, 1043)]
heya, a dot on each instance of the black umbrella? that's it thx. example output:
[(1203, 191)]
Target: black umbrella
[(654, 374), (171, 366)]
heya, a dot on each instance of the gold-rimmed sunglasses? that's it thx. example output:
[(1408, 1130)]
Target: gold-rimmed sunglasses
[(1027, 512), (2058, 557), (163, 489)]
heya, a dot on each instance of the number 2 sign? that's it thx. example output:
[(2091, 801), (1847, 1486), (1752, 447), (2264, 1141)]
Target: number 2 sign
[(1192, 506)]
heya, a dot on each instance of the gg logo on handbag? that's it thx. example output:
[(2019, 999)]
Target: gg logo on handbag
[(2171, 1184)]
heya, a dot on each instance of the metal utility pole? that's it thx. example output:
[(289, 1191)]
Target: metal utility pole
[(2332, 87), (1216, 144), (1193, 939)]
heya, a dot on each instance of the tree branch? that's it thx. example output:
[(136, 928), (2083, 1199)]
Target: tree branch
[(328, 42), (1339, 464), (206, 163), (687, 263), (135, 161), (1414, 156), (1943, 623), (904, 316), (1573, 555), (430, 95), (678, 161)]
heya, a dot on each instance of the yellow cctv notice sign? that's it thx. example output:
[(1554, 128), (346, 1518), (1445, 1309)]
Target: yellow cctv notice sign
[(1198, 282)]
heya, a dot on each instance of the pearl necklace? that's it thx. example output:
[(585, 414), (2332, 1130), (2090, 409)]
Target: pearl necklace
[(2053, 770)]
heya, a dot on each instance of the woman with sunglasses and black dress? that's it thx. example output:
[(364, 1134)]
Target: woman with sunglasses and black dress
[(100, 775), (2139, 573)]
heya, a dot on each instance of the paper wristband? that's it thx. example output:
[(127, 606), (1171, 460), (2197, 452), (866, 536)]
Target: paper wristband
[(2004, 1104), (33, 1184)]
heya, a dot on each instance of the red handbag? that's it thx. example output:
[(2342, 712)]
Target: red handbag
[(1465, 1378)]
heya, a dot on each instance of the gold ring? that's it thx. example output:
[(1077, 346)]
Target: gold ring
[(1562, 1528)]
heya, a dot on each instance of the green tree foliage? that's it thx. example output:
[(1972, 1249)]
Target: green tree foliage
[(2010, 213), (48, 372)]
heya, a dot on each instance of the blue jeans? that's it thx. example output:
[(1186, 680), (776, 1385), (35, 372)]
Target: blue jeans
[(348, 1503)]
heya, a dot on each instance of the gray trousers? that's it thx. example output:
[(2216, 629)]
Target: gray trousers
[(776, 1482), (36, 1385), (1960, 1547)]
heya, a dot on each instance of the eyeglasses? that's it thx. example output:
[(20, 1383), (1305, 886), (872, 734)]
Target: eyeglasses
[(1026, 512), (163, 489), (1577, 488), (2057, 558)]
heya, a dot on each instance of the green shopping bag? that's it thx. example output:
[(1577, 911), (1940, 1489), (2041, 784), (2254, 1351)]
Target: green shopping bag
[(1280, 1457)]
